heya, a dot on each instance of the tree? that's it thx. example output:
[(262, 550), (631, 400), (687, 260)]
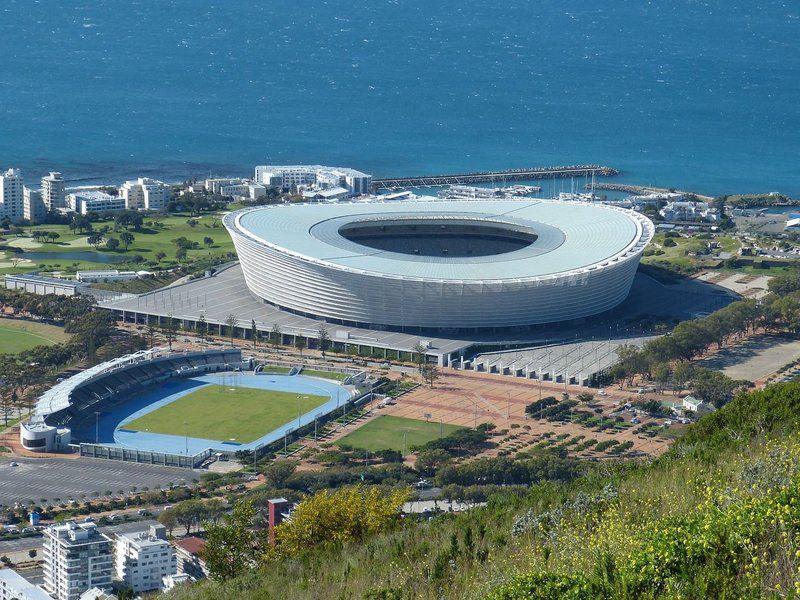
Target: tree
[(430, 373), (275, 336), (168, 519), (169, 330), (324, 338), (208, 241), (232, 546), (278, 472), (254, 333), (180, 254), (112, 244), (339, 516), (95, 240), (429, 461), (160, 255), (32, 553), (127, 239), (420, 353), (231, 321), (202, 328), (300, 344)]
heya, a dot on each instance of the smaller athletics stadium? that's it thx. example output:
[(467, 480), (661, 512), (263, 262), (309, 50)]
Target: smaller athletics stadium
[(178, 409)]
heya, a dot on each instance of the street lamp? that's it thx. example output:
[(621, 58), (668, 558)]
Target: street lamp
[(96, 427)]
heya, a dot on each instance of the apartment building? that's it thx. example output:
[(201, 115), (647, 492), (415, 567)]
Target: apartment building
[(33, 207), (12, 195), (77, 557), (144, 194), (54, 191), (143, 559)]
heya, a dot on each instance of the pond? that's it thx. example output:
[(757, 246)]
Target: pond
[(77, 256)]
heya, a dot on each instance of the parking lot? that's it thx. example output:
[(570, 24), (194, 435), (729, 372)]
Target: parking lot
[(45, 480)]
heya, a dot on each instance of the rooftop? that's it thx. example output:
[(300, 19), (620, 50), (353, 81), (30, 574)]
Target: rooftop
[(570, 236)]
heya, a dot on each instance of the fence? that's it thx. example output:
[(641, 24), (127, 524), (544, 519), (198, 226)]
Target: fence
[(145, 457)]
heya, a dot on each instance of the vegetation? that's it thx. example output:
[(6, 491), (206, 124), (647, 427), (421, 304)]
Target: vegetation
[(715, 517), (220, 412)]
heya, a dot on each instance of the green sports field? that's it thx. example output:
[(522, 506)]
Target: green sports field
[(218, 412), (18, 336), (387, 433)]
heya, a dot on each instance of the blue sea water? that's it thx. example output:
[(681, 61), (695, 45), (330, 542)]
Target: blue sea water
[(700, 94)]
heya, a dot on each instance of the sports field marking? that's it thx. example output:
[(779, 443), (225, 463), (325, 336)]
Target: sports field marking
[(396, 433), (235, 414)]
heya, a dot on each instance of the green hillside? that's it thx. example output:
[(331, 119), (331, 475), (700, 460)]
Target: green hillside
[(716, 517)]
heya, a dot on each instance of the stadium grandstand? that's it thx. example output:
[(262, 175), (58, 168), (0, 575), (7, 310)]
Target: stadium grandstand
[(70, 403)]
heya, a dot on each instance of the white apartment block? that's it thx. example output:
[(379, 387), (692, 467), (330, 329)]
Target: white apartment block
[(144, 194), (77, 557), (11, 195), (246, 191), (94, 201), (54, 191), (14, 586), (33, 207), (143, 559), (310, 176), (215, 185)]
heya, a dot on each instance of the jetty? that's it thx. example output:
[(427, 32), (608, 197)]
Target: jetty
[(494, 176)]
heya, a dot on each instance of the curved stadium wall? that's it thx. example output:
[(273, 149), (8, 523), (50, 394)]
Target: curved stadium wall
[(582, 262)]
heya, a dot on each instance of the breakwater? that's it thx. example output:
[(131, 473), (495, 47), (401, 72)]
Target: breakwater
[(494, 176)]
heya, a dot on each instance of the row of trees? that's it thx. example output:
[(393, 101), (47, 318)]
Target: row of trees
[(668, 358)]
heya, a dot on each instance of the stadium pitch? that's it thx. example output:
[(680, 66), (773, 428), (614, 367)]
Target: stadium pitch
[(238, 414), (396, 433)]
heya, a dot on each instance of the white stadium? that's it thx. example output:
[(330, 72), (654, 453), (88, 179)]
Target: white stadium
[(427, 265)]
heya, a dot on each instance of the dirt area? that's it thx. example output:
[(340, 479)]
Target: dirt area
[(748, 286), (756, 357), (468, 399)]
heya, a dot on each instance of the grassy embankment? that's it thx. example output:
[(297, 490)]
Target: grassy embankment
[(716, 517), (18, 336)]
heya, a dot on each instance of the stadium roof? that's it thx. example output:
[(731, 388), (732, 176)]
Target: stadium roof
[(572, 237)]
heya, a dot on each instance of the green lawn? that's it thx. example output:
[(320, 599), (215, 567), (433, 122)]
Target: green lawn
[(387, 433), (152, 239), (325, 374), (17, 336), (219, 412), (276, 369)]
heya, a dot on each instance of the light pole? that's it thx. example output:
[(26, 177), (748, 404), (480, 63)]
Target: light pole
[(186, 436), (96, 427)]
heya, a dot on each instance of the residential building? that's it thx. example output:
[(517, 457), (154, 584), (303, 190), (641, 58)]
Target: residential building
[(98, 594), (144, 558), (689, 211), (14, 586), (170, 581), (696, 406), (54, 191), (94, 201), (33, 207), (244, 191), (319, 176), (188, 551), (11, 195), (144, 194), (215, 185), (77, 557)]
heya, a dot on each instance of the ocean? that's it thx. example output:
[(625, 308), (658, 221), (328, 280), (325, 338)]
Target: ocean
[(701, 95)]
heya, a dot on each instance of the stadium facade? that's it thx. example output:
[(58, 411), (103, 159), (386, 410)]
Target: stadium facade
[(427, 265)]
